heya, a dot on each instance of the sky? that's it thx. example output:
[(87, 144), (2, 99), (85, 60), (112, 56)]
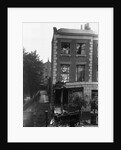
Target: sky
[(38, 36)]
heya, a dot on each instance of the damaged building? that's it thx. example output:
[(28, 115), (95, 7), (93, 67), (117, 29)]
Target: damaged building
[(74, 67)]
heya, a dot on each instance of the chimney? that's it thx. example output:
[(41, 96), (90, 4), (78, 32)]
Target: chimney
[(55, 30), (86, 27)]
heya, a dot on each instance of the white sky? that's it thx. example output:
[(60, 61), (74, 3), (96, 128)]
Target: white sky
[(38, 36)]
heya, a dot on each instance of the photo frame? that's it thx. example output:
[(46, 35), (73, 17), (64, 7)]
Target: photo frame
[(16, 132)]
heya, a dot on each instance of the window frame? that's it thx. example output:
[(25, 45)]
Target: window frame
[(81, 42), (77, 72), (65, 54), (65, 41), (67, 73)]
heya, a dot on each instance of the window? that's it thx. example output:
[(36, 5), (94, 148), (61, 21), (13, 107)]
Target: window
[(95, 94), (80, 49), (65, 73), (65, 48), (81, 73)]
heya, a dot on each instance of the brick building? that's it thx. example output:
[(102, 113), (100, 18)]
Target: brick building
[(74, 62)]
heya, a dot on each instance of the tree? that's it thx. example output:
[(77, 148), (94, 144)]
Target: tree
[(32, 73), (76, 102)]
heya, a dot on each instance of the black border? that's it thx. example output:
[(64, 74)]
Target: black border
[(18, 4), (116, 83), (3, 48)]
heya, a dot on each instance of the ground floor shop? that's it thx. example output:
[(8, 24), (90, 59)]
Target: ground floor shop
[(63, 94)]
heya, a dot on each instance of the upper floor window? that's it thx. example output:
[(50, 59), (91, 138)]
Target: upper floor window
[(80, 49), (65, 48), (65, 73), (81, 73)]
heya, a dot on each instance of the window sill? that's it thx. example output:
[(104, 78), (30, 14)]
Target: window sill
[(80, 81), (65, 54), (80, 55)]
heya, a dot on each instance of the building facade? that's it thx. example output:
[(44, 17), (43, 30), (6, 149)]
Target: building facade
[(75, 63)]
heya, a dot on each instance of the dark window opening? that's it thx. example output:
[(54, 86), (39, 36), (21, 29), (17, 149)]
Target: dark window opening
[(80, 48), (65, 97), (65, 48), (57, 100), (94, 104), (58, 94), (95, 94)]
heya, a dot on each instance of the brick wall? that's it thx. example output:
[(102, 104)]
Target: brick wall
[(72, 59), (88, 89), (90, 60), (95, 61)]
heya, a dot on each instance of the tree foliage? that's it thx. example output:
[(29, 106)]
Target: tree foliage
[(76, 101), (32, 72)]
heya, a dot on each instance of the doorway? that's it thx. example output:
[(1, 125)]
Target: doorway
[(57, 99)]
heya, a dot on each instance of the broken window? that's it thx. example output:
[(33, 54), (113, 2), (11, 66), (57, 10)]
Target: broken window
[(80, 48), (81, 73), (65, 48), (65, 68), (65, 73), (65, 77)]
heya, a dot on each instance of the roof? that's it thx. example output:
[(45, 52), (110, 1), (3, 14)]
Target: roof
[(76, 32), (83, 32)]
